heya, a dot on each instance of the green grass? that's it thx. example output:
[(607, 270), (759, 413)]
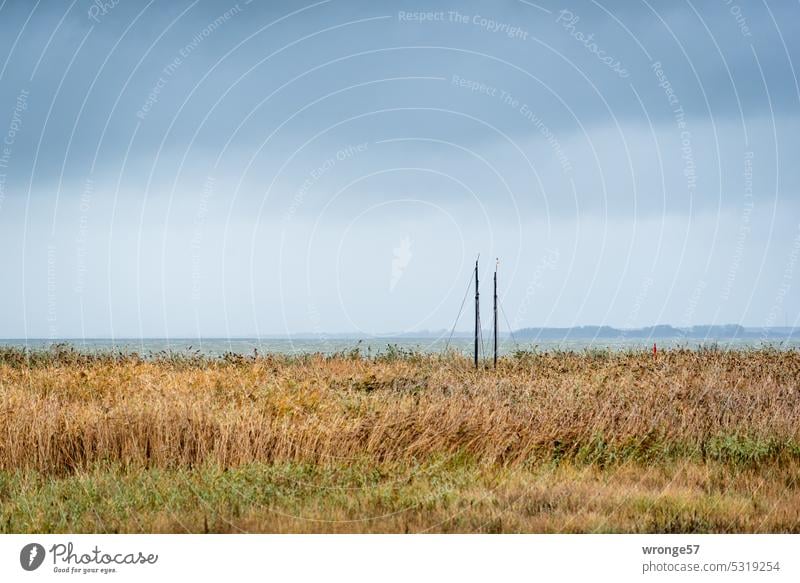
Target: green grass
[(445, 495)]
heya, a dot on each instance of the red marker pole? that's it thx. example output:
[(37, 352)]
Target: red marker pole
[(655, 350)]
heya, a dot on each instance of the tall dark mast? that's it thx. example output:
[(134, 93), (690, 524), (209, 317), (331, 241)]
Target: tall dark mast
[(477, 312), (495, 313)]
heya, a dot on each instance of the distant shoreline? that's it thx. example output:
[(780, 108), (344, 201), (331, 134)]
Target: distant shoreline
[(397, 346), (724, 332)]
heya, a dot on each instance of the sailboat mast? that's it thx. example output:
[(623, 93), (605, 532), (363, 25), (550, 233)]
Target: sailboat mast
[(495, 313), (477, 312)]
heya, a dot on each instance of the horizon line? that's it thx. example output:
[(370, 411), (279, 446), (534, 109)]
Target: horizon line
[(441, 333)]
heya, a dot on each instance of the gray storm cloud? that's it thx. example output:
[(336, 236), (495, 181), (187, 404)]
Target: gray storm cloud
[(222, 168)]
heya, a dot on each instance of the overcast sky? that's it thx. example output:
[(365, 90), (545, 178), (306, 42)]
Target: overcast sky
[(212, 168)]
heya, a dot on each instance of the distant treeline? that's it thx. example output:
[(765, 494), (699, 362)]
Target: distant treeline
[(727, 332)]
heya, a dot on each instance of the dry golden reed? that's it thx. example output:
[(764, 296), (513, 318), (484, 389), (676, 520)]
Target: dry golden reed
[(62, 411)]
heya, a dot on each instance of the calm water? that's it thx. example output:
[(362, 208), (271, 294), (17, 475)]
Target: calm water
[(218, 346)]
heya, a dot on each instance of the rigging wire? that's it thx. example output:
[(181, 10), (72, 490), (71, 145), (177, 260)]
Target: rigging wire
[(480, 335), (510, 331), (452, 331)]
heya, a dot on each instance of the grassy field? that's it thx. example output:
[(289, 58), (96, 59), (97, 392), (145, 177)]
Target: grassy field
[(690, 441)]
